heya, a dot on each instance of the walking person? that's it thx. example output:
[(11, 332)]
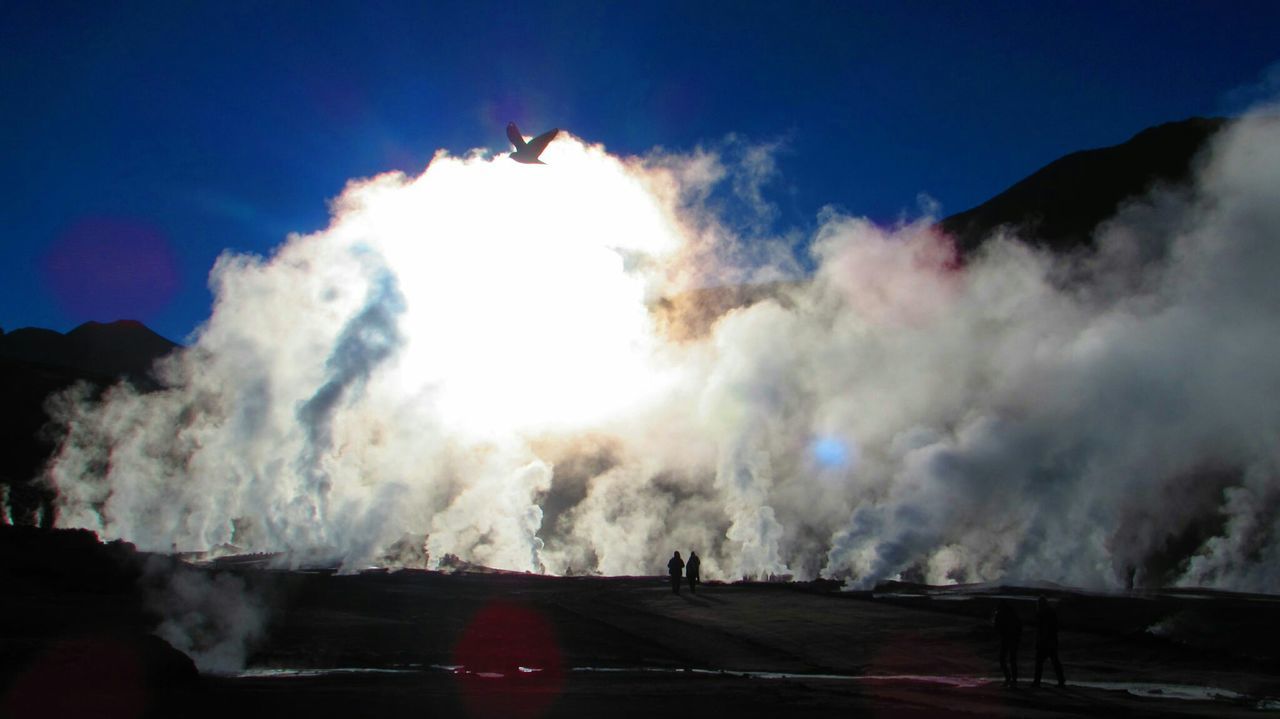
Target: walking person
[(674, 567), (1047, 640), (691, 571), (1009, 627)]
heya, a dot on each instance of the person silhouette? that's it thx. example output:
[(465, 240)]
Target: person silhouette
[(674, 566), (1009, 627), (691, 571), (1047, 640)]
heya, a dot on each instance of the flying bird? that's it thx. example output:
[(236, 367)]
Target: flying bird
[(527, 152)]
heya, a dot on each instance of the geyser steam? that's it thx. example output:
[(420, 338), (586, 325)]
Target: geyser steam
[(471, 355)]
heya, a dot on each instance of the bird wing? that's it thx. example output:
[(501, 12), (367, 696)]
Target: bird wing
[(539, 143), (513, 134)]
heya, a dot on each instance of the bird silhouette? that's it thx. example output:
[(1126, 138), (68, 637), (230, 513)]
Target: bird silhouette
[(527, 152)]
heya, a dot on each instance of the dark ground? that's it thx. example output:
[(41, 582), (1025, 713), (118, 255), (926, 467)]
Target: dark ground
[(73, 612)]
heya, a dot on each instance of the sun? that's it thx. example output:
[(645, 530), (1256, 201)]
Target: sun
[(524, 286)]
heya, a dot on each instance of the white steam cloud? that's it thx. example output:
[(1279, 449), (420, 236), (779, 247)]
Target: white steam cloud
[(472, 355), (212, 617)]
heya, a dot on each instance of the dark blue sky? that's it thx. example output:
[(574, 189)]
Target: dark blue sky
[(167, 132)]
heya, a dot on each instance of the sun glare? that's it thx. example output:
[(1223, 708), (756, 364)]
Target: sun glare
[(524, 285)]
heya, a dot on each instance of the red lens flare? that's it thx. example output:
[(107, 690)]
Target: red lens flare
[(93, 676), (111, 268), (509, 663)]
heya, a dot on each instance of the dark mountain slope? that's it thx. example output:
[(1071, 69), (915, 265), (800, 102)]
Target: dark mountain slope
[(35, 363), (118, 349), (1059, 205)]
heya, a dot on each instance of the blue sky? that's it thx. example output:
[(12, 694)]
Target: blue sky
[(178, 130)]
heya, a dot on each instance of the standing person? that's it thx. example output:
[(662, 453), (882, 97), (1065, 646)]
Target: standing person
[(691, 571), (1047, 640), (674, 567), (1009, 627)]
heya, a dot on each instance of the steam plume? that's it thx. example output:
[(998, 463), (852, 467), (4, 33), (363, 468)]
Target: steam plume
[(471, 355)]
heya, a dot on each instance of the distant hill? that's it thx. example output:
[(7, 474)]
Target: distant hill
[(1060, 205), (35, 363), (123, 349)]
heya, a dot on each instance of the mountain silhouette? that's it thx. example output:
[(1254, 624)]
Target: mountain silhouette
[(1059, 206), (35, 363), (123, 349)]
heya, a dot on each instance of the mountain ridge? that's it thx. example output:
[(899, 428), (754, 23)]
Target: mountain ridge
[(124, 348), (1061, 204), (36, 363)]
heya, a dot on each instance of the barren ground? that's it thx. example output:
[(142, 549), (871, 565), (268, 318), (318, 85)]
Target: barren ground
[(513, 645)]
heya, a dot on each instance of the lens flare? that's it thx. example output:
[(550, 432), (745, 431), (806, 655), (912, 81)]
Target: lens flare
[(831, 453), (508, 663), (111, 268)]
